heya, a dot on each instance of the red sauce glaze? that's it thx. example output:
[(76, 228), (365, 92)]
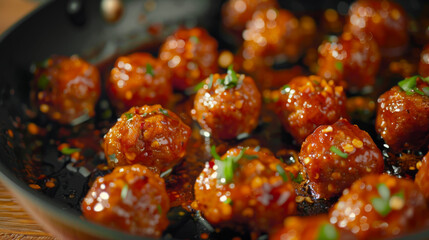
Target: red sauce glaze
[(385, 20), (402, 119), (329, 173), (66, 88), (149, 135), (274, 33), (424, 62), (191, 54), (351, 60), (309, 102), (257, 197), (131, 199), (139, 79), (297, 228), (355, 210), (236, 13), (227, 112), (422, 177)]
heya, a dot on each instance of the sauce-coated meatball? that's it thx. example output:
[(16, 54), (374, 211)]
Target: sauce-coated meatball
[(236, 13), (380, 206), (308, 102), (191, 54), (349, 59), (149, 135), (66, 88), (422, 177), (245, 188), (334, 156), (273, 33), (403, 115), (139, 79), (311, 228), (131, 199), (424, 62), (227, 105), (383, 19)]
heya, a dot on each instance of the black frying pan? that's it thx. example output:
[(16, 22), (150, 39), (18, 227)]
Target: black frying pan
[(67, 27)]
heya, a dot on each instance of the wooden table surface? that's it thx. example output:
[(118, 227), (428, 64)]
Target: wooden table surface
[(15, 223)]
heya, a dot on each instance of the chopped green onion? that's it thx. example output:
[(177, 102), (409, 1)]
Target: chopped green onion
[(426, 90), (383, 190), (124, 191), (166, 173), (282, 173), (285, 89), (129, 115), (228, 201), (231, 79), (408, 84), (214, 153), (425, 79), (250, 157), (68, 151), (194, 39), (399, 194), (192, 90), (163, 111), (381, 206), (298, 178), (229, 169), (149, 69), (210, 82), (227, 166), (112, 156), (43, 82), (159, 208), (338, 152), (339, 66), (327, 232)]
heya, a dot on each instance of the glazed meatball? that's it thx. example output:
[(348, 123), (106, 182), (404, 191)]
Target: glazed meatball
[(191, 54), (336, 155), (424, 62), (245, 188), (131, 199), (308, 102), (149, 135), (274, 33), (403, 115), (236, 13), (66, 89), (351, 60), (385, 20), (227, 105), (380, 206), (316, 227), (139, 79), (422, 177)]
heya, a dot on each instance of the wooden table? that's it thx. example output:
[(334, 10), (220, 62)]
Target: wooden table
[(15, 223)]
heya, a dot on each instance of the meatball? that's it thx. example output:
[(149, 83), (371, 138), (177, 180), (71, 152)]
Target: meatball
[(245, 188), (380, 206), (336, 155), (236, 13), (227, 105), (422, 177), (131, 199), (66, 89), (308, 102), (424, 62), (274, 33), (191, 54), (149, 135), (351, 60), (403, 115), (139, 79), (385, 20), (316, 227)]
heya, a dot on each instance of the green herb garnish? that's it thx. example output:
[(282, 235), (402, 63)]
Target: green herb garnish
[(409, 85), (124, 191), (192, 90), (285, 89), (159, 208), (163, 111), (166, 173), (339, 66), (327, 232), (231, 79), (214, 153), (250, 157), (298, 178), (43, 82), (129, 115), (338, 152), (382, 204), (282, 173), (210, 82), (226, 167), (149, 69), (68, 151), (228, 201), (194, 39)]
